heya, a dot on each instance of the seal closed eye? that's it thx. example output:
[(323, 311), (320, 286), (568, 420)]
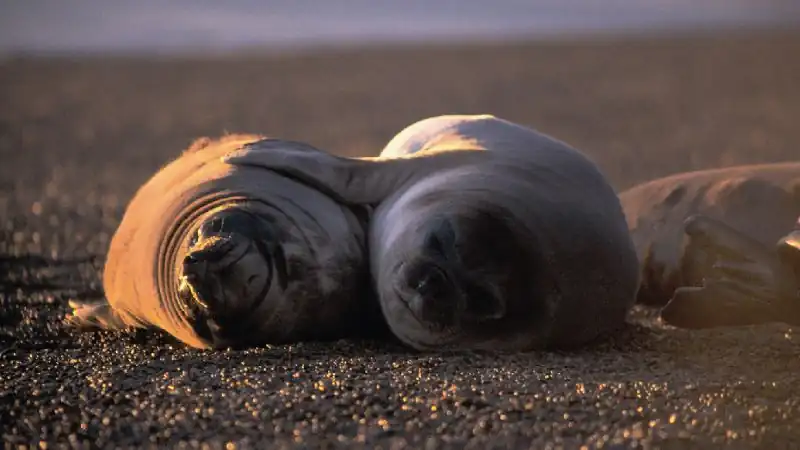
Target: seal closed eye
[(486, 234)]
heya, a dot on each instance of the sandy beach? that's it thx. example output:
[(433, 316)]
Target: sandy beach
[(78, 137)]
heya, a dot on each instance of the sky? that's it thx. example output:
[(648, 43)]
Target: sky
[(174, 25)]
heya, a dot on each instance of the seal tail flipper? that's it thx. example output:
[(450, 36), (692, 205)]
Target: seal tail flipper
[(363, 180), (92, 316)]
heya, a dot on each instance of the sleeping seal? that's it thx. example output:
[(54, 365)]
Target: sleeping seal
[(761, 201), (230, 255), (486, 234)]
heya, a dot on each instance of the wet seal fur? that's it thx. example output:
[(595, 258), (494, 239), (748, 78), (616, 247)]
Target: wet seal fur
[(222, 254), (486, 234), (760, 201)]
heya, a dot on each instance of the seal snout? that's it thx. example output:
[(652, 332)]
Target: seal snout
[(436, 299), (197, 282), (224, 271), (430, 294), (434, 283), (194, 267)]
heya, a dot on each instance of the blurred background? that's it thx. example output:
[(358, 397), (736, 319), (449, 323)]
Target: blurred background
[(95, 95), (206, 25)]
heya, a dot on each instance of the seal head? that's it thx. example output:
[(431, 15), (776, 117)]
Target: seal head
[(440, 287), (232, 265)]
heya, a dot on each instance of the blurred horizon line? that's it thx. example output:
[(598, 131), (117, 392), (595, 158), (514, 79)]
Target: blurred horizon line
[(53, 27)]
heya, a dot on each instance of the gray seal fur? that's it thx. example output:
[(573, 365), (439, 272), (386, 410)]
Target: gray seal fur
[(761, 201), (222, 254), (486, 234)]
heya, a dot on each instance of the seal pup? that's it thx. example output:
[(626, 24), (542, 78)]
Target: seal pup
[(222, 254), (486, 234), (748, 283), (761, 201)]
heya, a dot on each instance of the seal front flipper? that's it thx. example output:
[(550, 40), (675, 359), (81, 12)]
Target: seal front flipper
[(734, 256), (716, 304), (363, 180), (87, 316), (748, 283)]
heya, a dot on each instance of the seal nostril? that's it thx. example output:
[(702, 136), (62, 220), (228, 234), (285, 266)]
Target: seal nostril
[(434, 299), (432, 284), (194, 268)]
